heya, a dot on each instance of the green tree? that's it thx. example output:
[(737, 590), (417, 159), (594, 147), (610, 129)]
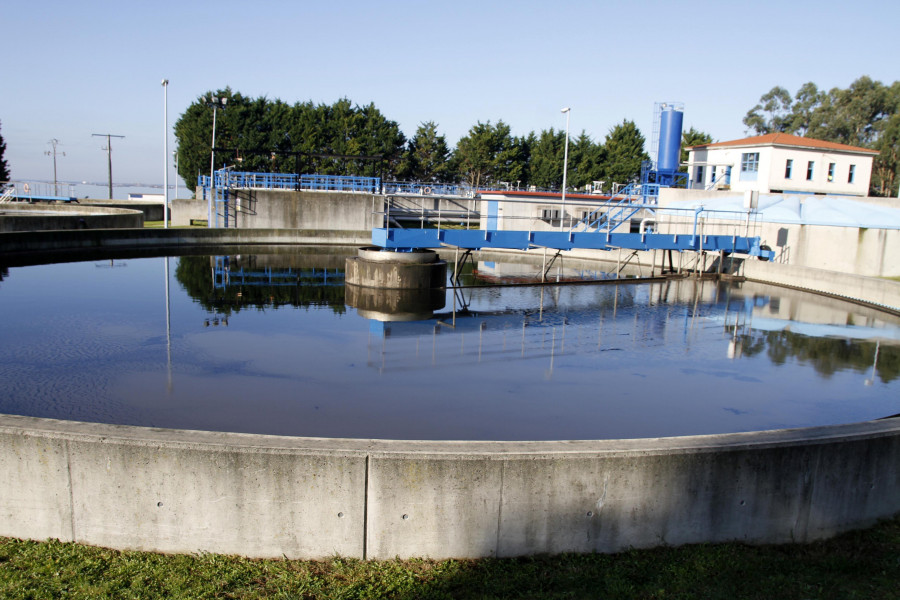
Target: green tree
[(488, 154), (624, 153), (586, 160), (512, 161), (854, 116), (545, 168), (270, 136), (887, 163), (193, 132), (4, 168), (427, 156), (803, 111), (375, 134), (772, 114), (693, 137)]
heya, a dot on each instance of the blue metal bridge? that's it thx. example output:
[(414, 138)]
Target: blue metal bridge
[(478, 239)]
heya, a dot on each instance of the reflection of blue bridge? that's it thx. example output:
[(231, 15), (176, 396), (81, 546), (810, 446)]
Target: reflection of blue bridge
[(225, 275)]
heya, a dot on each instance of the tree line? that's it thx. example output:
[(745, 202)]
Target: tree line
[(866, 114), (262, 135)]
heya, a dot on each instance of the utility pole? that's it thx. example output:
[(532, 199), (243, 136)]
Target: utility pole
[(108, 149), (54, 142)]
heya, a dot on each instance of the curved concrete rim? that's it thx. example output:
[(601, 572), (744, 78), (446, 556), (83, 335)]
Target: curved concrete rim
[(192, 438), (272, 496), (377, 254)]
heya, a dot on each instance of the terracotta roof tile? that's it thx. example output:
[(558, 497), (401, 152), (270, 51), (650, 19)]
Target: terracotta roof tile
[(785, 139)]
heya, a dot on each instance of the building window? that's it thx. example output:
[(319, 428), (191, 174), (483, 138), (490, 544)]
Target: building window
[(749, 166), (788, 167), (712, 174), (810, 170), (699, 178), (749, 162), (852, 174), (830, 171)]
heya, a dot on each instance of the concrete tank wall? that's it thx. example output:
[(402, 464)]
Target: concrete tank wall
[(270, 496), (55, 217), (288, 209), (36, 244)]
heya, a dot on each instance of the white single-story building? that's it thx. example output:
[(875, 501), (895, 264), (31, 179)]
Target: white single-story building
[(782, 163)]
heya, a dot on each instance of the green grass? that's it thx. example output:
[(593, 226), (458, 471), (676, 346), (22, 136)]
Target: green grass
[(864, 564)]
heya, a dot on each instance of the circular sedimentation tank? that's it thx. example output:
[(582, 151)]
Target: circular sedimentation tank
[(178, 490)]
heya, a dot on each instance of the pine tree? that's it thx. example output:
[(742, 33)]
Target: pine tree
[(4, 168)]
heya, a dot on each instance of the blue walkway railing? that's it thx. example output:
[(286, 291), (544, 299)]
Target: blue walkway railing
[(427, 189), (340, 183), (226, 178)]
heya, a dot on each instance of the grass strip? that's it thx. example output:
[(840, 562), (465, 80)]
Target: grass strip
[(861, 564)]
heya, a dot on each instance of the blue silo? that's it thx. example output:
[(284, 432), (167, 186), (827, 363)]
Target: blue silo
[(670, 123)]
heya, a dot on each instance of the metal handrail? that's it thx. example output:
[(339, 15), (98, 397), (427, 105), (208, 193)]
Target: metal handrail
[(8, 192)]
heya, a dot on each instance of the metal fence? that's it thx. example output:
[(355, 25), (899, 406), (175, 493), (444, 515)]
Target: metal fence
[(340, 183), (28, 191), (227, 178), (413, 188)]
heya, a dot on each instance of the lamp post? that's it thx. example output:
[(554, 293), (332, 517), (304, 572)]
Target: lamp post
[(165, 85), (215, 102), (562, 215)]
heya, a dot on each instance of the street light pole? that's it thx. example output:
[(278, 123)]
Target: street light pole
[(215, 102), (175, 164), (562, 216), (165, 85), (108, 149)]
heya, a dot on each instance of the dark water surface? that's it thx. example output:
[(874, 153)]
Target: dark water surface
[(267, 344)]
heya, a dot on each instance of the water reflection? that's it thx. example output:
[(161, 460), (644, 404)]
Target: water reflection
[(228, 284), (296, 353)]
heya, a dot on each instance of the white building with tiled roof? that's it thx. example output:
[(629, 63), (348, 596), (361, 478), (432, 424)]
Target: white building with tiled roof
[(782, 163)]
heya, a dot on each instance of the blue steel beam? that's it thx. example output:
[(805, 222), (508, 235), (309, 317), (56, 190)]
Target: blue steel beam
[(477, 239)]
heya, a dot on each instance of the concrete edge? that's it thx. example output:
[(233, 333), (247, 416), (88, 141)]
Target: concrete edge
[(195, 439)]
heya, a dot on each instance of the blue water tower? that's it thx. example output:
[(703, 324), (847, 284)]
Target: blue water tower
[(670, 123)]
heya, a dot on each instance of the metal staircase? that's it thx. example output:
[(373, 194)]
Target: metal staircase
[(9, 192), (620, 208)]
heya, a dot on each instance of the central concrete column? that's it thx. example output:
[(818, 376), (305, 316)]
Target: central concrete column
[(389, 269)]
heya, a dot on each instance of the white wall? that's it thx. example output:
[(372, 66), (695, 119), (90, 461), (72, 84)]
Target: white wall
[(772, 161), (820, 182)]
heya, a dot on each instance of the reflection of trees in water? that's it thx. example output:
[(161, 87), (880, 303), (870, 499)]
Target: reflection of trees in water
[(195, 275), (826, 355)]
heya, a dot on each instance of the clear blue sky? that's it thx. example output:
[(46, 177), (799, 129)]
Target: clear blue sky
[(77, 68)]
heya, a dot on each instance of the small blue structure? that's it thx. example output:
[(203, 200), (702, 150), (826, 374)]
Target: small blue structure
[(668, 120)]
